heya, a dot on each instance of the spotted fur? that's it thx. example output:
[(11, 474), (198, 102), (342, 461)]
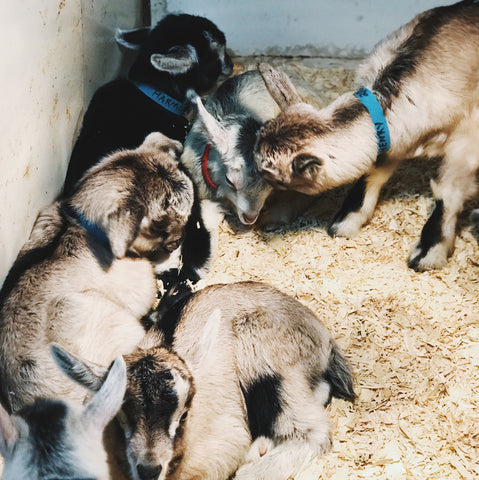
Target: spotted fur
[(241, 391), (425, 77), (87, 288)]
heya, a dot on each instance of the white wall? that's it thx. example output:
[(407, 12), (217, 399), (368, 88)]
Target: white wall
[(345, 28), (54, 54)]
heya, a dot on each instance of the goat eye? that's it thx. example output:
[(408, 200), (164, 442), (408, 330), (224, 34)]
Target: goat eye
[(183, 417), (230, 183), (305, 162)]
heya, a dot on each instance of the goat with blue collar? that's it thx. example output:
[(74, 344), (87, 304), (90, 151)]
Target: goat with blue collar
[(418, 98), (181, 52), (85, 277)]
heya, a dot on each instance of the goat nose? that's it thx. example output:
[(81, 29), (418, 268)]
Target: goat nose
[(248, 219), (149, 472)]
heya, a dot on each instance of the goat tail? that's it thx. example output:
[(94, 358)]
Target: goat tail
[(282, 461), (339, 376)]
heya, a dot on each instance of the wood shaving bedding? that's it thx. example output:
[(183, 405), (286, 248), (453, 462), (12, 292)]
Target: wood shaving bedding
[(412, 338)]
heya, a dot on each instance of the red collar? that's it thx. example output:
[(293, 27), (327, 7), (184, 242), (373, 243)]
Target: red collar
[(204, 167)]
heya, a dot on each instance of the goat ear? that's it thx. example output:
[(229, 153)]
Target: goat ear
[(306, 165), (132, 39), (123, 226), (279, 86), (158, 141), (87, 374), (215, 132), (9, 432), (179, 59), (209, 337), (106, 403), (268, 168)]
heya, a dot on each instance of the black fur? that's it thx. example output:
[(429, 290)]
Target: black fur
[(46, 421), (352, 203), (431, 234), (158, 397), (339, 377), (248, 132), (121, 116), (169, 311), (263, 404), (195, 251), (344, 116)]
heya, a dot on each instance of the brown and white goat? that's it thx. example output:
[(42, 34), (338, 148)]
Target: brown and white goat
[(52, 439), (238, 382), (425, 77), (85, 277)]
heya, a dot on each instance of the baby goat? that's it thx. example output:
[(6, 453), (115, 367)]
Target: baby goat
[(237, 382), (181, 52), (424, 77), (51, 439), (85, 276), (218, 151)]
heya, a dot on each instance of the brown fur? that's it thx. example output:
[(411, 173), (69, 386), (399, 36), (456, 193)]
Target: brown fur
[(425, 78), (76, 291)]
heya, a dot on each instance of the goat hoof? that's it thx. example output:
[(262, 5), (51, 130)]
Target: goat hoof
[(423, 259), (343, 229)]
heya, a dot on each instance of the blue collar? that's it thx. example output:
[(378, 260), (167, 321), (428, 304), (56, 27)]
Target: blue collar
[(161, 98), (367, 98), (91, 228)]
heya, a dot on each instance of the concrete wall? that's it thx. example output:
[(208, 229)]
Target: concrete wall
[(54, 54), (344, 28)]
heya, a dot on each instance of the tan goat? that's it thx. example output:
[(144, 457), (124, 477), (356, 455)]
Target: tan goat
[(238, 381), (85, 277), (424, 78)]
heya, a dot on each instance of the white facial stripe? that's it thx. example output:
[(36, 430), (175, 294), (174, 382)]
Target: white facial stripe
[(182, 387)]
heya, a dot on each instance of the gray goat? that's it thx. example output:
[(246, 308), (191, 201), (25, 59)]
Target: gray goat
[(85, 276), (423, 81), (218, 151), (238, 382), (51, 439)]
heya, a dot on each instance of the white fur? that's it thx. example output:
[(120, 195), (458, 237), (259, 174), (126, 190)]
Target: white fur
[(80, 452)]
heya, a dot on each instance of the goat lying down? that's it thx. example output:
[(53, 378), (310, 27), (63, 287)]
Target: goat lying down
[(181, 52), (85, 276), (52, 439), (219, 148), (237, 382), (425, 77)]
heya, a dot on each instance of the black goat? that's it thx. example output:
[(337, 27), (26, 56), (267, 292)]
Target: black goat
[(181, 52)]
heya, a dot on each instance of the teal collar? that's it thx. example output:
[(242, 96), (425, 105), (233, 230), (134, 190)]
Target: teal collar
[(161, 98), (91, 228), (367, 98)]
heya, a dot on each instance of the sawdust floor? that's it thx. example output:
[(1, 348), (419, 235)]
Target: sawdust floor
[(412, 338)]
